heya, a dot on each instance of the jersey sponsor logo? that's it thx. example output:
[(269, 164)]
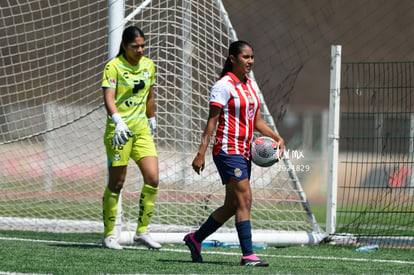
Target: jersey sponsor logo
[(138, 85), (130, 103)]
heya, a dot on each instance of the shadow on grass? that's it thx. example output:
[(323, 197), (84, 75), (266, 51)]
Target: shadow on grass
[(190, 262), (80, 246)]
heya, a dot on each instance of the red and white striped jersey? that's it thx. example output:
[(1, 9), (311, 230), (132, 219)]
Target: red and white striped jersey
[(239, 103)]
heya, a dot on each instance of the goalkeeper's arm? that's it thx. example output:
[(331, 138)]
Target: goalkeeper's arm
[(151, 110), (109, 100), (121, 129)]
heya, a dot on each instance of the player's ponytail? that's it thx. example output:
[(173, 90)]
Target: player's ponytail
[(234, 50), (129, 36), (227, 67)]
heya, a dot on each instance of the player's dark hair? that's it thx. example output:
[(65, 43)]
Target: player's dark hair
[(234, 50), (129, 36)]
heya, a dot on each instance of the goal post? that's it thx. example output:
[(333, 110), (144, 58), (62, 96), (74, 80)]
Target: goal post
[(370, 194), (54, 172), (333, 137)]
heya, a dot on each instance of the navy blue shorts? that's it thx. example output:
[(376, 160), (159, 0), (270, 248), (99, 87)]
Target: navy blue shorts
[(232, 167)]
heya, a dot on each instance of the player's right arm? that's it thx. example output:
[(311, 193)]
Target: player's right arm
[(121, 131), (199, 160), (109, 100), (109, 84), (219, 97)]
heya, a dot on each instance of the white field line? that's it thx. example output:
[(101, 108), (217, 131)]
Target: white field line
[(227, 253)]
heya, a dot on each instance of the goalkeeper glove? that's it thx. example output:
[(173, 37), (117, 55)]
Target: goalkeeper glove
[(153, 125), (121, 131)]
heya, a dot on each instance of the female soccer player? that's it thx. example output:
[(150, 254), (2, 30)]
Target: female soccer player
[(127, 83), (234, 105)]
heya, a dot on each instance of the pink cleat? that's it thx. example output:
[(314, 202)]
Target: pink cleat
[(195, 248), (252, 260)]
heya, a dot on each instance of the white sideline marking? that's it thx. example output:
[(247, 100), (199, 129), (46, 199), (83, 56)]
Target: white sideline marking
[(303, 257), (222, 253)]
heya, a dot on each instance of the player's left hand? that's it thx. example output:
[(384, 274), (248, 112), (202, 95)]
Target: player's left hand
[(153, 125), (281, 144)]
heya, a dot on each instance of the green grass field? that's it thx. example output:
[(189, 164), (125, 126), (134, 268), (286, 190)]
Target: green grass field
[(52, 253)]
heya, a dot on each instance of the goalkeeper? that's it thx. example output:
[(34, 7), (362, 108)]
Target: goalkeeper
[(128, 89)]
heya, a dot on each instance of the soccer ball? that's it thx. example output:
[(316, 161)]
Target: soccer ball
[(264, 151)]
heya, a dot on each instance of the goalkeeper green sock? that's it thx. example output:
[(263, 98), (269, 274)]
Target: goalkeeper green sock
[(110, 209), (146, 207)]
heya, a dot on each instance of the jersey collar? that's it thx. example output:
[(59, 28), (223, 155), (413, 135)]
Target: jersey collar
[(236, 80)]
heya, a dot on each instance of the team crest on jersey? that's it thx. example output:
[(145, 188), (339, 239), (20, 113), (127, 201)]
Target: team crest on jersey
[(125, 75), (117, 156), (145, 74), (237, 172)]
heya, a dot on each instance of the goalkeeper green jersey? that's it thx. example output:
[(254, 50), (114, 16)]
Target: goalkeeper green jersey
[(132, 85)]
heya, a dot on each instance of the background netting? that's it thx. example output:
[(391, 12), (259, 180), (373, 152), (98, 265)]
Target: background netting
[(376, 186)]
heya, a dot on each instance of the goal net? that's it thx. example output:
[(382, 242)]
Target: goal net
[(375, 165), (52, 118)]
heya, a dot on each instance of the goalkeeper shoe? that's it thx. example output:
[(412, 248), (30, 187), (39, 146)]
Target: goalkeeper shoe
[(252, 260), (195, 248), (145, 239), (111, 242)]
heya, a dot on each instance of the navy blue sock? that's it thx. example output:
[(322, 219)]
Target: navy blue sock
[(206, 229), (244, 230)]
